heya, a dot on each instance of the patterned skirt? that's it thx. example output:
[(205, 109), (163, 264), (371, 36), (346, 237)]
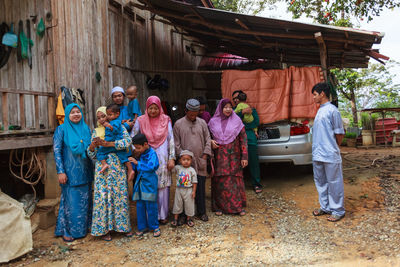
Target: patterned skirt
[(228, 194), (110, 199)]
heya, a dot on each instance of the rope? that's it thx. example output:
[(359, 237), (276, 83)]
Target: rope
[(364, 166), (35, 167)]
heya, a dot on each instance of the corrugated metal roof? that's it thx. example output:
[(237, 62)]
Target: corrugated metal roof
[(277, 40)]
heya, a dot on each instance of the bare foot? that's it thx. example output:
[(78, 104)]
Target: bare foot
[(104, 167)]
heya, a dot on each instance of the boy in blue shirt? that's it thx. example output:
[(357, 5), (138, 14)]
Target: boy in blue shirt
[(146, 186), (327, 135), (113, 132), (133, 106)]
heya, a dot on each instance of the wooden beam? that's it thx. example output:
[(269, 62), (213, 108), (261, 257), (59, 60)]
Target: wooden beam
[(25, 142), (4, 108), (322, 53), (22, 111), (37, 114), (51, 112), (239, 31), (238, 21), (26, 92), (167, 71)]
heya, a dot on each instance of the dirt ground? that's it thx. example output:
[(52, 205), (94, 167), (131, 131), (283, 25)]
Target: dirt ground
[(278, 229)]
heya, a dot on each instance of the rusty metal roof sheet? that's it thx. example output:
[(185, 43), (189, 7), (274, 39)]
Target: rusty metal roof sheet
[(275, 40)]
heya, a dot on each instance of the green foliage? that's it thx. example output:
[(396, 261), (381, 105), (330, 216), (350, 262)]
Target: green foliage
[(252, 7), (330, 11), (350, 135), (368, 121)]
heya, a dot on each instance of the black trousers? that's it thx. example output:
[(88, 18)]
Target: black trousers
[(201, 195)]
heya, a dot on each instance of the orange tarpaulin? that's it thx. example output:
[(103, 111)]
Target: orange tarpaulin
[(276, 94)]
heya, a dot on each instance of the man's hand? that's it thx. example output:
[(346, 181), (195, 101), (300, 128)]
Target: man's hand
[(171, 164), (62, 178)]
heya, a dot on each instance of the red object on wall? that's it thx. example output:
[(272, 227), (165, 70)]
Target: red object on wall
[(390, 124)]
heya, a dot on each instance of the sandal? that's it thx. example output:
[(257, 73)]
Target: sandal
[(242, 213), (163, 222), (68, 239), (130, 234), (107, 237), (335, 218), (204, 217), (319, 212), (157, 232), (174, 223), (258, 189), (190, 222), (218, 213)]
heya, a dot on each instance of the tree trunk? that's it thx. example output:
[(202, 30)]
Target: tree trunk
[(353, 107)]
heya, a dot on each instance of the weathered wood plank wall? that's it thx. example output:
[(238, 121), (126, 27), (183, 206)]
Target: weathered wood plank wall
[(17, 76), (90, 36)]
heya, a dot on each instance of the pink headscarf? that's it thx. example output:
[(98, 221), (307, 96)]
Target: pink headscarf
[(225, 129), (155, 129)]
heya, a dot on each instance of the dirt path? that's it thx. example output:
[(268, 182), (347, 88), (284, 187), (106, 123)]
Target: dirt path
[(278, 229)]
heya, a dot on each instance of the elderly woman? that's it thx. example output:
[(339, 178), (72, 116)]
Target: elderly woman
[(157, 128), (118, 97), (111, 200), (75, 174), (230, 148)]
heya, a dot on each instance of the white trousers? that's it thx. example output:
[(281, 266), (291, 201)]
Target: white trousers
[(328, 178)]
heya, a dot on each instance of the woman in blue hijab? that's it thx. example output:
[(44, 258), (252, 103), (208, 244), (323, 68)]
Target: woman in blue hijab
[(75, 174)]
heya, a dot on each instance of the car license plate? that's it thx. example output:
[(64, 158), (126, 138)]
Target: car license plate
[(269, 133)]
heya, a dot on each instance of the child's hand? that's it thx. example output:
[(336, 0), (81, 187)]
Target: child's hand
[(257, 135), (193, 194), (123, 121), (106, 124), (133, 160)]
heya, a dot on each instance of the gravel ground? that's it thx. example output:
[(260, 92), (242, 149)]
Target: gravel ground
[(278, 229)]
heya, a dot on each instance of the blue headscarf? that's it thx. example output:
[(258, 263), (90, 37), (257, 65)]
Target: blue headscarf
[(76, 135)]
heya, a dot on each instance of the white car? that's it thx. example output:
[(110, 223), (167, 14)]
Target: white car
[(285, 142)]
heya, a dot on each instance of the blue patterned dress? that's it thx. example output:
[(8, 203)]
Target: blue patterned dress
[(110, 197), (74, 215)]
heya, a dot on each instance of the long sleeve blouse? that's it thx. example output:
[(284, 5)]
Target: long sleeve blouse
[(79, 170)]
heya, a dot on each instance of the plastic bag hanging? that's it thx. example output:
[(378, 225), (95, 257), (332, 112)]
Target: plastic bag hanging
[(41, 28), (10, 38)]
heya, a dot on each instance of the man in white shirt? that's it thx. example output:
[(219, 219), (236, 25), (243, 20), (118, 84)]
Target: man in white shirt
[(327, 135)]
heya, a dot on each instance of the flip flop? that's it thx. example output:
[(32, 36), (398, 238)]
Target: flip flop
[(174, 223), (242, 213), (258, 189), (319, 212), (190, 223), (106, 237), (335, 218), (130, 234), (218, 213), (157, 232), (67, 240)]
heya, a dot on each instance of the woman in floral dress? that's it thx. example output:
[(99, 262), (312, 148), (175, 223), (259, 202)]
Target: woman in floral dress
[(157, 128), (230, 152), (110, 197)]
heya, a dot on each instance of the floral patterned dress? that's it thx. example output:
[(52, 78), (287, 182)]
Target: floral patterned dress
[(110, 196), (227, 188)]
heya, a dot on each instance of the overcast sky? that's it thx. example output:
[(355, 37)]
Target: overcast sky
[(388, 22)]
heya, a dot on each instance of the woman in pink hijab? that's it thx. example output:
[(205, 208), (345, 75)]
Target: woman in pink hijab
[(157, 128), (230, 152)]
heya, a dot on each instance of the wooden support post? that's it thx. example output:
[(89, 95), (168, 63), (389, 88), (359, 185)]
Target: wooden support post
[(37, 115), (51, 112), (4, 104), (22, 111), (322, 54)]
